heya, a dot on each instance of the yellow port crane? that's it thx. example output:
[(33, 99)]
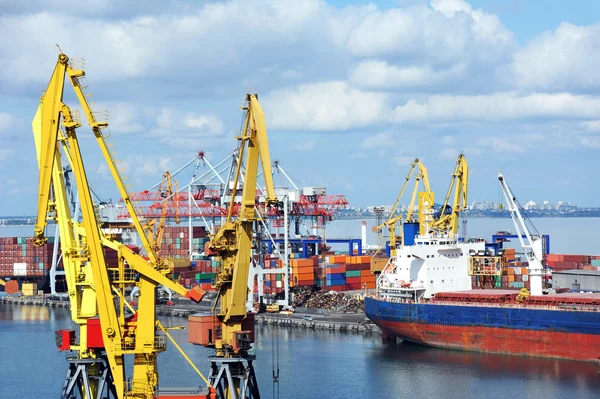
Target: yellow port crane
[(229, 329), (425, 203), (446, 221), (110, 330)]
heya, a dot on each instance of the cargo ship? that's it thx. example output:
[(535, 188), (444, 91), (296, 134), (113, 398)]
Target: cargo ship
[(421, 298), (415, 301), (565, 326)]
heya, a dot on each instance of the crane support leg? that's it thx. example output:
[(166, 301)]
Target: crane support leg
[(233, 378), (88, 378)]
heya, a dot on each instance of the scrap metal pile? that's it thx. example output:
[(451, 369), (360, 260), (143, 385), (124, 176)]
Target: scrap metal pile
[(329, 300)]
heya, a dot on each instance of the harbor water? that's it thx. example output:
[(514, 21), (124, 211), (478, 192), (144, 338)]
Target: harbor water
[(324, 364), (313, 364)]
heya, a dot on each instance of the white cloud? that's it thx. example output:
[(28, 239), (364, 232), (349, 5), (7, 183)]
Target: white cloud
[(11, 182), (123, 117), (323, 106), (448, 140), (127, 47), (359, 155), (499, 106), (306, 145), (14, 191), (5, 154), (449, 153), (379, 140), (180, 129), (565, 59), (590, 126), (291, 74), (6, 120), (380, 75), (403, 160), (514, 143), (208, 124), (590, 142), (447, 31), (501, 144), (138, 166)]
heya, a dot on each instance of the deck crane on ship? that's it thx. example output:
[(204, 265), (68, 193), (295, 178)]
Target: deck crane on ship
[(533, 246), (110, 330)]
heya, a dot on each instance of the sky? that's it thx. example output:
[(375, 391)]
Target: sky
[(353, 91)]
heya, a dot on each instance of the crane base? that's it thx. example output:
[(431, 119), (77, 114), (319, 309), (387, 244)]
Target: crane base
[(89, 378), (228, 373)]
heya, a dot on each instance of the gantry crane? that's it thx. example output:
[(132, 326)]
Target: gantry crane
[(110, 330), (229, 328), (153, 232), (533, 247), (446, 221), (425, 201)]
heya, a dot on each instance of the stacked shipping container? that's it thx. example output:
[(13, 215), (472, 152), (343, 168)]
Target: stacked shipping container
[(573, 262), (176, 241), (20, 258), (340, 273)]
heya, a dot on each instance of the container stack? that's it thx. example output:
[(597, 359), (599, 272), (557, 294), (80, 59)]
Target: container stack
[(305, 271), (512, 277), (561, 262), (509, 255), (176, 241), (358, 273), (20, 258), (273, 283), (200, 271)]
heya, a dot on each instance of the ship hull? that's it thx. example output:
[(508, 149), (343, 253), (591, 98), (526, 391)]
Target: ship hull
[(559, 334)]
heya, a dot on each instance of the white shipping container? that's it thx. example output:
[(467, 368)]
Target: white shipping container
[(20, 269), (278, 284)]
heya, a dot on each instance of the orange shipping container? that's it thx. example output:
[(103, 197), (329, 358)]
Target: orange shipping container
[(305, 276), (524, 270)]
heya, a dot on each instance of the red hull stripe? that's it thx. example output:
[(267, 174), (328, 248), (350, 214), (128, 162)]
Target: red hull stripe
[(549, 344)]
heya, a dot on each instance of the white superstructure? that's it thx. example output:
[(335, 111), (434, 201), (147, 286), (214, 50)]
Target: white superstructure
[(433, 264)]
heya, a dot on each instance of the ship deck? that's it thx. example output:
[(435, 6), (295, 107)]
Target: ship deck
[(496, 297)]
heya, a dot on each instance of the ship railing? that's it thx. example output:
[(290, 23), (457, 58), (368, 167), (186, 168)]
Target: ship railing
[(574, 308)]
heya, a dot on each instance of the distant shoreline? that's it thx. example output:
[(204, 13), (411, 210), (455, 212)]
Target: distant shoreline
[(494, 215)]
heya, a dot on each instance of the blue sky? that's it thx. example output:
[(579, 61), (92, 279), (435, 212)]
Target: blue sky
[(353, 91)]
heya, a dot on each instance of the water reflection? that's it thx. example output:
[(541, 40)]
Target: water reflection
[(497, 366), (25, 313)]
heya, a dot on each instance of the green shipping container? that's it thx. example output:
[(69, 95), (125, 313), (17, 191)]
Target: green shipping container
[(197, 276), (353, 273), (595, 262), (278, 277), (206, 276), (41, 265)]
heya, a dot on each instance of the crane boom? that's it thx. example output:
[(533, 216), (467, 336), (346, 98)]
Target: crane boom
[(229, 321), (394, 220), (93, 285), (447, 220), (533, 246)]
